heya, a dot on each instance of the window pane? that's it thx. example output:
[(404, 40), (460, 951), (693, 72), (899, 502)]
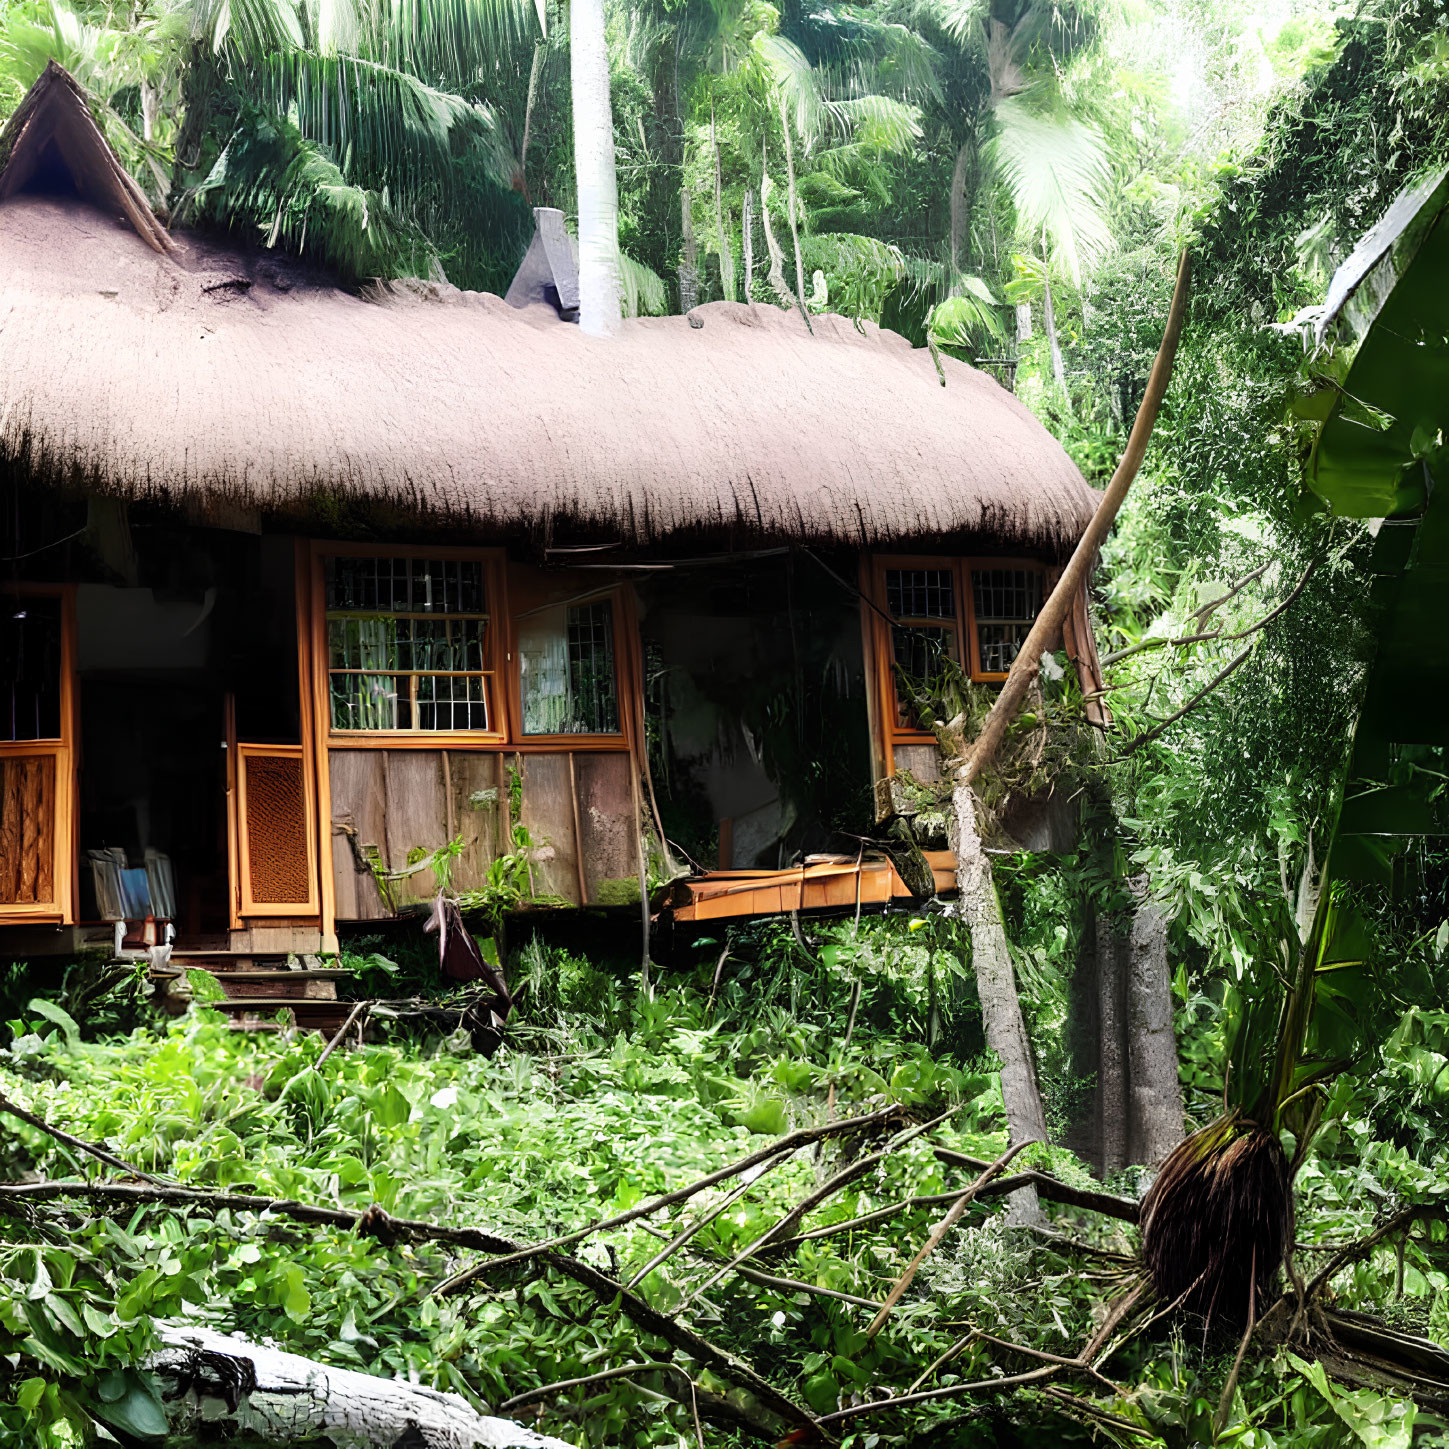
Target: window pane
[(1007, 601), (407, 643), (30, 664), (566, 671), (920, 594), (919, 651)]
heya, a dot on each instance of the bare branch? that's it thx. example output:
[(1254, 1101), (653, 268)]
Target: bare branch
[(938, 1233), (800, 1138), (607, 1290), (90, 1148)]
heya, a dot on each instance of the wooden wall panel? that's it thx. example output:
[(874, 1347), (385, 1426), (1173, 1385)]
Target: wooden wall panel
[(923, 761), (359, 819), (27, 829), (548, 812), (608, 834), (479, 788), (417, 817), (402, 801)]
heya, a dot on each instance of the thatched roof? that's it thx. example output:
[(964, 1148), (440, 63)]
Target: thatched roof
[(212, 374), (51, 139)]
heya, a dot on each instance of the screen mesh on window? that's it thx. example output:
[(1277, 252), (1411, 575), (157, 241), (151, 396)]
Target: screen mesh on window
[(1007, 601), (566, 669), (407, 644)]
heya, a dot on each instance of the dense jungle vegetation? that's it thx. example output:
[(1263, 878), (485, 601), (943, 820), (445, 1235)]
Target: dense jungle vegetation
[(1008, 181)]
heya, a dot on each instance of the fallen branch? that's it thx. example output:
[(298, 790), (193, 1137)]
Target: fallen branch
[(952, 1391), (547, 1391), (1052, 1188), (698, 1225), (607, 1290), (1362, 1247), (934, 1241), (1043, 633), (1086, 1406), (360, 1009), (962, 1343), (795, 1140), (80, 1145), (811, 1201), (1147, 736), (1216, 634), (795, 1285)]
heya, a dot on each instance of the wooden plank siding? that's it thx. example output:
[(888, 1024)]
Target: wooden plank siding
[(578, 813)]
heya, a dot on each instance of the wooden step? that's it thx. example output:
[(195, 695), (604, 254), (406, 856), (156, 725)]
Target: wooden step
[(254, 1013), (260, 982)]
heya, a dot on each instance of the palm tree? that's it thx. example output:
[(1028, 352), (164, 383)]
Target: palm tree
[(598, 188)]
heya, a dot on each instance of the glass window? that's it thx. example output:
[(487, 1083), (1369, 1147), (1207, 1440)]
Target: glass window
[(408, 644), (30, 667), (1007, 602), (922, 604), (567, 677)]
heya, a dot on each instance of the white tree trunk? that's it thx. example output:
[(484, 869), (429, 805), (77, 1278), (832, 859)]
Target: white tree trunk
[(600, 314), (726, 250), (794, 206), (1049, 324), (958, 207), (282, 1398), (777, 257), (996, 988), (748, 230)]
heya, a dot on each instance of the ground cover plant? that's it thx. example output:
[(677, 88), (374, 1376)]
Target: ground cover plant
[(603, 1100)]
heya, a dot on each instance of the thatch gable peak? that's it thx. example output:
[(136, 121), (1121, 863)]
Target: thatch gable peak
[(52, 143)]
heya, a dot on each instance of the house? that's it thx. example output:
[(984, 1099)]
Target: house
[(298, 586)]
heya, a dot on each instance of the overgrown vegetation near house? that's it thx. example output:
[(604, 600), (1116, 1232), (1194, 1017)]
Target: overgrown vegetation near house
[(1235, 628), (602, 1100)]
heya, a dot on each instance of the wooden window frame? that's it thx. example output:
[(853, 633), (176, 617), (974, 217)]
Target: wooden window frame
[(968, 642), (495, 582), (64, 749), (625, 632)]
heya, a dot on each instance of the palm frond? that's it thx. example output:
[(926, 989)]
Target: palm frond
[(794, 79), (458, 38), (288, 189), (965, 324), (1055, 169), (384, 122), (644, 292), (878, 123), (250, 29)]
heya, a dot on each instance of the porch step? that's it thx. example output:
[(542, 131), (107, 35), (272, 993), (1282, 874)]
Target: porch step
[(255, 1014), (257, 983)]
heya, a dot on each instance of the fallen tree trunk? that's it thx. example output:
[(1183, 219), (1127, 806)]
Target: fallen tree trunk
[(996, 988), (266, 1396)]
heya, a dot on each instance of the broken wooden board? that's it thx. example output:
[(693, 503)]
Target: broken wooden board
[(728, 894)]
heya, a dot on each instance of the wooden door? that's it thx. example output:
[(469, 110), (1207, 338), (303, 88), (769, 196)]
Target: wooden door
[(272, 811), (37, 754)]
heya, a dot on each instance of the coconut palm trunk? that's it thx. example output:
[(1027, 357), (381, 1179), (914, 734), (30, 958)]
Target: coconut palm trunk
[(1049, 322), (794, 209), (600, 313), (726, 247)]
